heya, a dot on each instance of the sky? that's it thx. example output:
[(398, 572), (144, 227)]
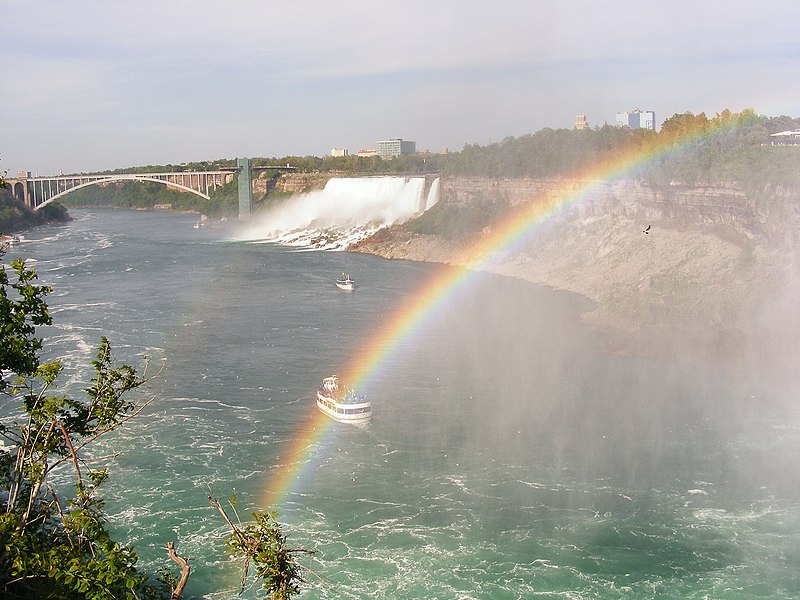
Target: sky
[(89, 85)]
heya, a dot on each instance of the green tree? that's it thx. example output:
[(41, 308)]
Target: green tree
[(22, 308), (53, 538), (263, 545), (681, 126)]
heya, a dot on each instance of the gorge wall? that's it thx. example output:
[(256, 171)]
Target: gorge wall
[(288, 183), (717, 272)]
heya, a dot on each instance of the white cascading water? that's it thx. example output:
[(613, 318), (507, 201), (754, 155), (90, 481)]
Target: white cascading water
[(433, 194), (346, 211)]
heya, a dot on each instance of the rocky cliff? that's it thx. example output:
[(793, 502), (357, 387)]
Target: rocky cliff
[(713, 272), (288, 183)]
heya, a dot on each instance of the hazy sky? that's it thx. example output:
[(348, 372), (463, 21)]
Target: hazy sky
[(91, 85)]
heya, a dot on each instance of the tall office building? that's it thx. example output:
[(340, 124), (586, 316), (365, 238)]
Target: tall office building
[(581, 122), (638, 119), (395, 147)]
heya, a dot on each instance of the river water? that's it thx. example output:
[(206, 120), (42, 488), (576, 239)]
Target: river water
[(508, 457)]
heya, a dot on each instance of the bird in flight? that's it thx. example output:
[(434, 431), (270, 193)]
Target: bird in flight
[(647, 230)]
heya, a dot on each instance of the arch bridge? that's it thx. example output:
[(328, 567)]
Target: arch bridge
[(37, 192)]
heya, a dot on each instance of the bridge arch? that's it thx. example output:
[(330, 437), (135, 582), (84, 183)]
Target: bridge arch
[(112, 178), (17, 190)]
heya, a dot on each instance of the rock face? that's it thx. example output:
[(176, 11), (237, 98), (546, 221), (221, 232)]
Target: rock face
[(289, 183), (712, 269), (300, 183)]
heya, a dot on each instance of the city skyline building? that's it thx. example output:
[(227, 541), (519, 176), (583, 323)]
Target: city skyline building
[(581, 122), (638, 119), (395, 147)]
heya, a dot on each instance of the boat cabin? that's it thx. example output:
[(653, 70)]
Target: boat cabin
[(330, 385)]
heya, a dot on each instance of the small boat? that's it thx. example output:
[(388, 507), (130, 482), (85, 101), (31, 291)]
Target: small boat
[(345, 282), (342, 404)]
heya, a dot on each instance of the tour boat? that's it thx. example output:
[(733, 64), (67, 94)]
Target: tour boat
[(342, 404), (345, 282)]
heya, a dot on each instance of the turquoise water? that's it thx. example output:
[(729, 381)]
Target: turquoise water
[(508, 457)]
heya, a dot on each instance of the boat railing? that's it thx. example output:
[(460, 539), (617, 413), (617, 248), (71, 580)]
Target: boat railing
[(347, 397)]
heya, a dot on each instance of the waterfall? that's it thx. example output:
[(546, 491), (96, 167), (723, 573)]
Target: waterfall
[(345, 211), (433, 195)]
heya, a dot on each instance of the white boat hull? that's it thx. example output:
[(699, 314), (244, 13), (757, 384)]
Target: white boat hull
[(345, 413), (348, 285)]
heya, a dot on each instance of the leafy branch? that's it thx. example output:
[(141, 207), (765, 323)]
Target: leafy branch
[(264, 545)]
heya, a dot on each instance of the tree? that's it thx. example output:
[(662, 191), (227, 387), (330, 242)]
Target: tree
[(53, 540), (264, 545), (20, 312), (679, 127)]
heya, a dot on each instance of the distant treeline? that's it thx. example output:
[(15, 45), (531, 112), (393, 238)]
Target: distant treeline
[(727, 149)]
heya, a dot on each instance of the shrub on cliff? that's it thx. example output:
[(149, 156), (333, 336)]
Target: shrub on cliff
[(456, 221)]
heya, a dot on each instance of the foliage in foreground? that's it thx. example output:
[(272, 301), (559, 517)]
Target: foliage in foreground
[(54, 539), (263, 544)]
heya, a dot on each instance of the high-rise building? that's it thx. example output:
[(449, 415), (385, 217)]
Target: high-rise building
[(581, 122), (395, 147), (340, 152), (638, 119)]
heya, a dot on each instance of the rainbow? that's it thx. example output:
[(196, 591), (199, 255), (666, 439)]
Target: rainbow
[(297, 458), (512, 232)]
